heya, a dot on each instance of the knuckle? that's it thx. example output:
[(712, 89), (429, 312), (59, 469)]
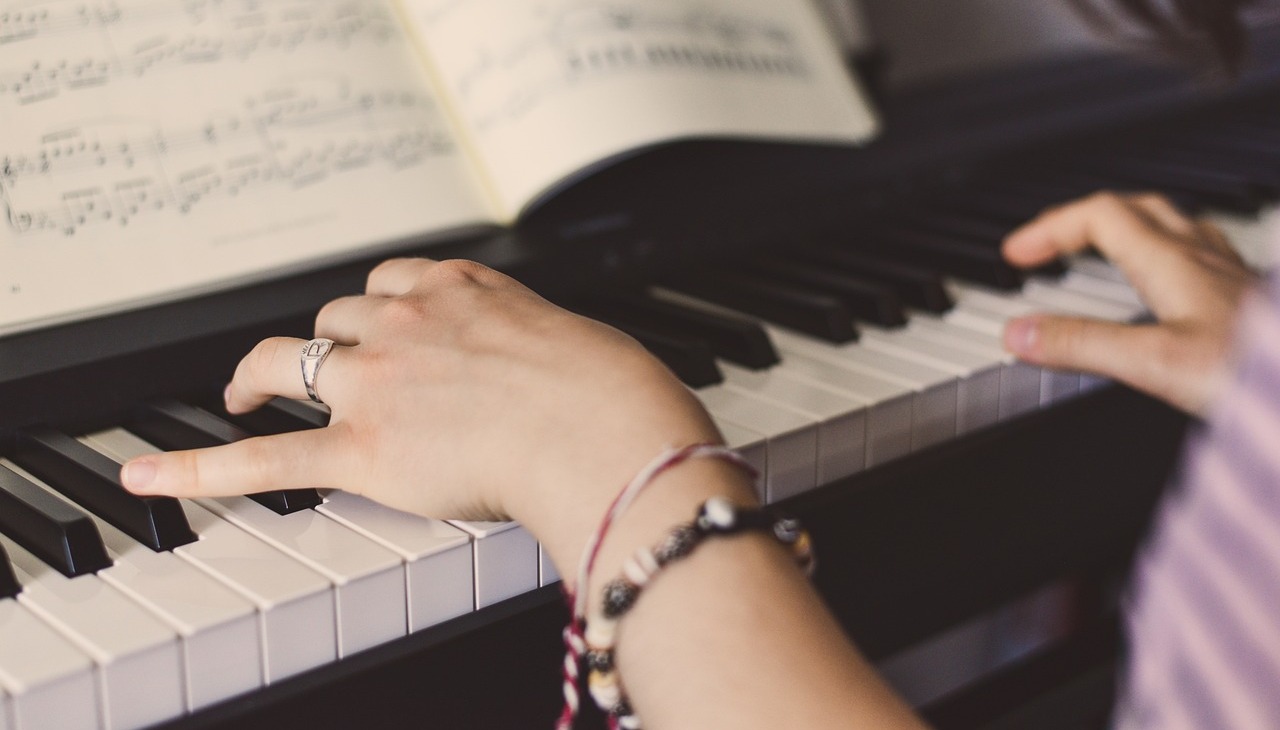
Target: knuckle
[(1152, 199), (404, 311), (258, 360), (258, 368), (328, 312), (1108, 202), (460, 271), (386, 268)]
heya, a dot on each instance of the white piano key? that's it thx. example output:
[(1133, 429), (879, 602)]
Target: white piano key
[(933, 414), (1058, 385), (1252, 236), (297, 609), (842, 419), (1019, 381), (368, 579), (139, 658), (1090, 382), (437, 555), (978, 320), (889, 429), (888, 415), (547, 573), (1079, 304), (296, 605), (752, 446), (792, 439), (1081, 282), (505, 556), (1005, 304), (50, 683), (221, 650), (978, 390), (987, 312), (1099, 268)]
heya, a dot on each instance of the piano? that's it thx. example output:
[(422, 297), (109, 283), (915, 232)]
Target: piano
[(836, 310)]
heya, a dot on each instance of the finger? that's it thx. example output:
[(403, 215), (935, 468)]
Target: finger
[(1216, 239), (287, 461), (1129, 353), (1164, 213), (346, 319), (396, 277), (274, 368), (1114, 225)]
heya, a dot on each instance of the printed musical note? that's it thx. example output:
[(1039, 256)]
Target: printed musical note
[(129, 42), (286, 138), (574, 42)]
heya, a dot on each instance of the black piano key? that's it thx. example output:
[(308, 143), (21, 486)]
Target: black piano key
[(981, 265), (1009, 209), (1218, 139), (918, 287), (1262, 173), (92, 481), (1218, 188), (736, 339), (176, 426), (980, 229), (276, 416), (1264, 134), (9, 586), (1096, 181), (54, 531), (1201, 188), (1041, 191), (984, 233), (691, 360), (820, 315), (867, 300)]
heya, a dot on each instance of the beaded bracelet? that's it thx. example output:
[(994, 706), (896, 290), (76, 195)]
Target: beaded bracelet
[(716, 517), (575, 644)]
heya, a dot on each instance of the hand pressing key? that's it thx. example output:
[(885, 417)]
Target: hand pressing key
[(1184, 269)]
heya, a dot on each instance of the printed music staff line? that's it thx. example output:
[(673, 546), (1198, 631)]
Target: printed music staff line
[(158, 171)]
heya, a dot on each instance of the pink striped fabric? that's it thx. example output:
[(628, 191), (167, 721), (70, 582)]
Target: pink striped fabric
[(1204, 609)]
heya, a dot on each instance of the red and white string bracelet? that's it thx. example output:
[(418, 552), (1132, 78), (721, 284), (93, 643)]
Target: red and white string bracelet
[(575, 646), (594, 640)]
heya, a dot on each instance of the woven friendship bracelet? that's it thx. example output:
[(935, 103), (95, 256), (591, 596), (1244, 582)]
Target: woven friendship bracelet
[(716, 516), (575, 645)]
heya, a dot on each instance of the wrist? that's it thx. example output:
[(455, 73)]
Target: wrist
[(564, 522)]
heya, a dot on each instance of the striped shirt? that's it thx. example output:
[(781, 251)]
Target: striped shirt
[(1204, 610)]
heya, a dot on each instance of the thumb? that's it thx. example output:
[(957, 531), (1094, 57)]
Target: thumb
[(1119, 351)]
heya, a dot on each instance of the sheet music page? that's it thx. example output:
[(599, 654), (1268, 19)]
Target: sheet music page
[(546, 88), (156, 147)]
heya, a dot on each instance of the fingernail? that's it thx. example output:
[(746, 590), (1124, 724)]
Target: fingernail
[(138, 475), (1021, 336)]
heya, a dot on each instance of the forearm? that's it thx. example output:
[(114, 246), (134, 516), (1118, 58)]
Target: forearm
[(736, 637), (733, 635)]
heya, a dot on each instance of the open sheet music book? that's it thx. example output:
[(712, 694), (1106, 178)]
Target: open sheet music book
[(154, 148)]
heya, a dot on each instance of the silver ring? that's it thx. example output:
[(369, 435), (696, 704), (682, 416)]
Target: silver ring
[(313, 356)]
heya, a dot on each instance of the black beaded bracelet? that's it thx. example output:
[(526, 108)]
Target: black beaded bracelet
[(717, 516)]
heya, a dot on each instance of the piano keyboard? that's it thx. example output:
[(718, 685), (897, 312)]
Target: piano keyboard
[(850, 352)]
